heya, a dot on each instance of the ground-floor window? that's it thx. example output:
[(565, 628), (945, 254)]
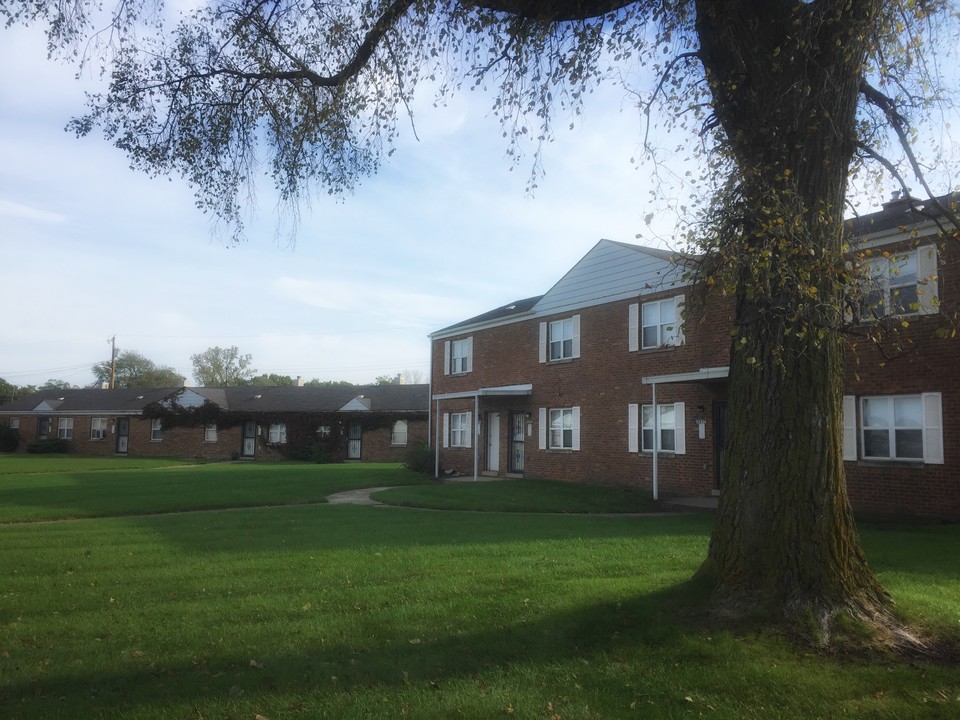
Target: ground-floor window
[(156, 430), (669, 419), (14, 423), (65, 428), (210, 433), (560, 428), (98, 428), (277, 434), (398, 435), (458, 429), (895, 427)]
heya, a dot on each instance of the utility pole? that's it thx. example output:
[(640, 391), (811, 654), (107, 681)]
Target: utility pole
[(113, 360)]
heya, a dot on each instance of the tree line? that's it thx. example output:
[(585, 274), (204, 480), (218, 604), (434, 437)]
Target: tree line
[(214, 367)]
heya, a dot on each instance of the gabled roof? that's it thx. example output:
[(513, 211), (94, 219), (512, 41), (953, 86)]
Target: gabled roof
[(377, 398), (610, 271), (900, 213), (87, 401)]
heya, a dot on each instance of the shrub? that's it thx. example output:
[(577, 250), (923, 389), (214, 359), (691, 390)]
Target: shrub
[(50, 445), (9, 439), (420, 459)]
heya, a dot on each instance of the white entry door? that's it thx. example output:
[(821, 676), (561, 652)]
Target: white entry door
[(493, 442)]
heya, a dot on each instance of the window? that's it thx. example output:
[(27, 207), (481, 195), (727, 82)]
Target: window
[(98, 428), (399, 434), (14, 423), (661, 325), (560, 339), (901, 284), (670, 421), (459, 429), (458, 356), (210, 433), (560, 428), (156, 430), (323, 431), (277, 434), (65, 428), (893, 428)]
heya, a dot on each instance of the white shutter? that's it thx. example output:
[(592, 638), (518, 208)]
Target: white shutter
[(446, 429), (469, 344), (633, 428), (927, 280), (543, 342), (542, 428), (849, 427), (576, 427), (679, 305), (468, 430), (932, 429), (633, 327), (576, 336), (446, 358), (680, 434)]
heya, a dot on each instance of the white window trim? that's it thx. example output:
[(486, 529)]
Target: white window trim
[(544, 429), (932, 428), (399, 438), (679, 430), (210, 433), (466, 420), (466, 364), (928, 292), (156, 430), (98, 428), (14, 423), (65, 428), (545, 340), (277, 434), (636, 326)]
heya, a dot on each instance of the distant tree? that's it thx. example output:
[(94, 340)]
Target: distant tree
[(273, 380), (405, 377), (56, 384), (8, 391), (222, 367), (135, 370), (328, 383)]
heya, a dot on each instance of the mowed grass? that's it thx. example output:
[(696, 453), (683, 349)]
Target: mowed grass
[(67, 487), (320, 611), (521, 495)]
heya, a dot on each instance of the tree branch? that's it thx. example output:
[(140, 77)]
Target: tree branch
[(552, 10)]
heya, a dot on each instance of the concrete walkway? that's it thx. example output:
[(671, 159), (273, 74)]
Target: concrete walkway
[(362, 497)]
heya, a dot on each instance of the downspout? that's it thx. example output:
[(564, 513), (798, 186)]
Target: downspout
[(656, 439), (476, 436), (436, 444)]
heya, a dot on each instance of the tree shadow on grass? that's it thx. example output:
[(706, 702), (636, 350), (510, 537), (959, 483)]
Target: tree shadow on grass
[(387, 662)]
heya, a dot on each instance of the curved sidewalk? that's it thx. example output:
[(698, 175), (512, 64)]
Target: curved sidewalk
[(357, 497)]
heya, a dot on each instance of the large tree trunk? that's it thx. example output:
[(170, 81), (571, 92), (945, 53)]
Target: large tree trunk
[(785, 79)]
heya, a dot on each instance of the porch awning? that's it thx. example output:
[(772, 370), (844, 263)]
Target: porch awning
[(501, 391), (701, 375)]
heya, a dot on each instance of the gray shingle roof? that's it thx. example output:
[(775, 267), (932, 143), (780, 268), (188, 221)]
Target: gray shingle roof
[(382, 398)]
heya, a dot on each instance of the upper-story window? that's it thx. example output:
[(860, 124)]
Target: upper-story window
[(656, 324), (660, 326), (458, 356), (900, 284), (560, 339)]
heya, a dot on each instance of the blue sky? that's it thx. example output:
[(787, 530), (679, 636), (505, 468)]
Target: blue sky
[(90, 249), (446, 230)]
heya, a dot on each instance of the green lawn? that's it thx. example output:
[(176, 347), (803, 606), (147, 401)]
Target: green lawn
[(321, 611)]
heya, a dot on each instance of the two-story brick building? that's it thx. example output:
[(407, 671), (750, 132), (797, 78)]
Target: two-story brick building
[(604, 379)]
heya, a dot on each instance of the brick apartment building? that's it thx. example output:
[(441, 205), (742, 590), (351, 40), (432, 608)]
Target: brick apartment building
[(375, 423), (578, 383)]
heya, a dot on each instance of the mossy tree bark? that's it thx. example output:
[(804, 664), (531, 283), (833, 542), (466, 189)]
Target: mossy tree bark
[(785, 78)]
